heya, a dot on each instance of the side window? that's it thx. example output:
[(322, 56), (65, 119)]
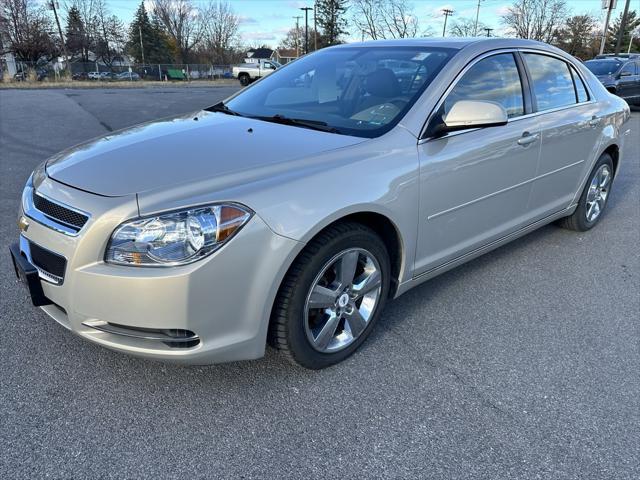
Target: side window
[(628, 69), (552, 82), (581, 90), (494, 79)]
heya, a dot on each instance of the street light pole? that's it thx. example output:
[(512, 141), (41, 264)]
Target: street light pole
[(446, 12), (610, 6), (475, 28), (306, 28)]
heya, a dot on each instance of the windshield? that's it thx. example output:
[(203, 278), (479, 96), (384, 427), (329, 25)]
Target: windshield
[(602, 67), (361, 91)]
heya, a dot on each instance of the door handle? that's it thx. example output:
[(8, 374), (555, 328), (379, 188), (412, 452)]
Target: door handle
[(528, 138), (594, 122)]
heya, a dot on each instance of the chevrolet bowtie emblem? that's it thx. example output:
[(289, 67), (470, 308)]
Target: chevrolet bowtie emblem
[(23, 224)]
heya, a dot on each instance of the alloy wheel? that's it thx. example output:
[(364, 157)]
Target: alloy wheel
[(598, 193), (342, 300)]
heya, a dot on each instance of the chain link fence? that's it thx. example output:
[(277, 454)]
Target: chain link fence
[(18, 71)]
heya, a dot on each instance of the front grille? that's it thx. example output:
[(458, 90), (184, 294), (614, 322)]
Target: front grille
[(48, 262), (59, 213)]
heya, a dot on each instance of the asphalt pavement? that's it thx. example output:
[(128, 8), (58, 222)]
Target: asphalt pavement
[(524, 363)]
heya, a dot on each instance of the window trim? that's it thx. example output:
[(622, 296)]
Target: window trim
[(574, 74), (568, 65), (513, 51), (422, 138)]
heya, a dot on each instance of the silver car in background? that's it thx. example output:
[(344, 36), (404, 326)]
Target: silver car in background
[(291, 212)]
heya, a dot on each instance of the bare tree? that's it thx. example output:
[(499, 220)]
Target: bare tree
[(220, 27), (26, 29), (181, 19), (380, 19), (465, 27), (536, 19), (108, 34)]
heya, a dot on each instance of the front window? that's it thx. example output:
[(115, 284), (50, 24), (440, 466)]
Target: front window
[(357, 91), (493, 79), (603, 67)]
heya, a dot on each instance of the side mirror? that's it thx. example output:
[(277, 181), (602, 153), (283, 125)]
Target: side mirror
[(474, 114)]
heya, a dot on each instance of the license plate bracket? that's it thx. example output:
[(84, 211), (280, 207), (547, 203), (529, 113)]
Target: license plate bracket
[(28, 275)]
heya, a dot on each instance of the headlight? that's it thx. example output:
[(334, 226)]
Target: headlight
[(175, 238)]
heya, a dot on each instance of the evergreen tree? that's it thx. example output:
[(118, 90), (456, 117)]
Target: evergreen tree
[(155, 44), (633, 22), (332, 20), (76, 34)]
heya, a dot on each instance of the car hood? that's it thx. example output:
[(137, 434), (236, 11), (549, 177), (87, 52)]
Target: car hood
[(179, 150)]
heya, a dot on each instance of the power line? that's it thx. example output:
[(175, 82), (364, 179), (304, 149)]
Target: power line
[(306, 28), (447, 12)]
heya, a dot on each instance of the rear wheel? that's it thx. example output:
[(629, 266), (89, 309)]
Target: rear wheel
[(331, 296), (594, 197)]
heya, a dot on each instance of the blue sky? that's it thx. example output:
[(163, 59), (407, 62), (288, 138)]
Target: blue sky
[(267, 21)]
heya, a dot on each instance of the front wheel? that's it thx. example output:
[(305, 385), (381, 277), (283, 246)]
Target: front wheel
[(244, 80), (594, 197), (332, 296)]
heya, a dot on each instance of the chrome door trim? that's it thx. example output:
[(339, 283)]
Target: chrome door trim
[(592, 99)]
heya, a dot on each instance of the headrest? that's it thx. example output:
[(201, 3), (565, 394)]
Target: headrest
[(382, 83)]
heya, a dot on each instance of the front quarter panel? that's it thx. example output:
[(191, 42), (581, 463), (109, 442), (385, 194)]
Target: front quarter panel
[(301, 198)]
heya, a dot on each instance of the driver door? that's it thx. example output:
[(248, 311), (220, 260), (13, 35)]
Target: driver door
[(475, 184)]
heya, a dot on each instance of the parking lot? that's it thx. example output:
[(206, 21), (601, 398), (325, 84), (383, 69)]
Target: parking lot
[(524, 363)]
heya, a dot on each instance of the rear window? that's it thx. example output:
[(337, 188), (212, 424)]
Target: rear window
[(581, 90), (552, 81), (603, 67)]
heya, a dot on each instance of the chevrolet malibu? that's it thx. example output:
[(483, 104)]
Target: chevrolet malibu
[(291, 212)]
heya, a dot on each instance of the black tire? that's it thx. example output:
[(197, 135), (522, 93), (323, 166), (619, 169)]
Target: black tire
[(244, 79), (578, 220), (287, 330)]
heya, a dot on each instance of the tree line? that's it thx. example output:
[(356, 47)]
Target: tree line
[(181, 31)]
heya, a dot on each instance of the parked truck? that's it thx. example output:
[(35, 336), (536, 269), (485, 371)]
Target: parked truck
[(248, 72)]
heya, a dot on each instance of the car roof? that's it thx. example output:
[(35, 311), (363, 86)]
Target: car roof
[(449, 42)]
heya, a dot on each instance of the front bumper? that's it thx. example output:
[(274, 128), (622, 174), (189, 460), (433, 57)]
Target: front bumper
[(211, 311)]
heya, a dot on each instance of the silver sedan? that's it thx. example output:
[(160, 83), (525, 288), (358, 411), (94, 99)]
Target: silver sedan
[(291, 212)]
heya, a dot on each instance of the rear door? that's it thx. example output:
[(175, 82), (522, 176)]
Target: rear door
[(475, 184), (570, 122)]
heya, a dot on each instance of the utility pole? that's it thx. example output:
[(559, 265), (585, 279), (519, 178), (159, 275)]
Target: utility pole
[(488, 30), (475, 28), (447, 12), (141, 44), (315, 27), (306, 28), (53, 5), (298, 35), (623, 25), (610, 5)]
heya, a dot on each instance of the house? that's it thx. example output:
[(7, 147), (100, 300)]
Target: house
[(254, 55), (284, 55)]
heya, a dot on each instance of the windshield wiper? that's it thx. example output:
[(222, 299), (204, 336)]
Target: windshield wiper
[(299, 122), (222, 108)]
